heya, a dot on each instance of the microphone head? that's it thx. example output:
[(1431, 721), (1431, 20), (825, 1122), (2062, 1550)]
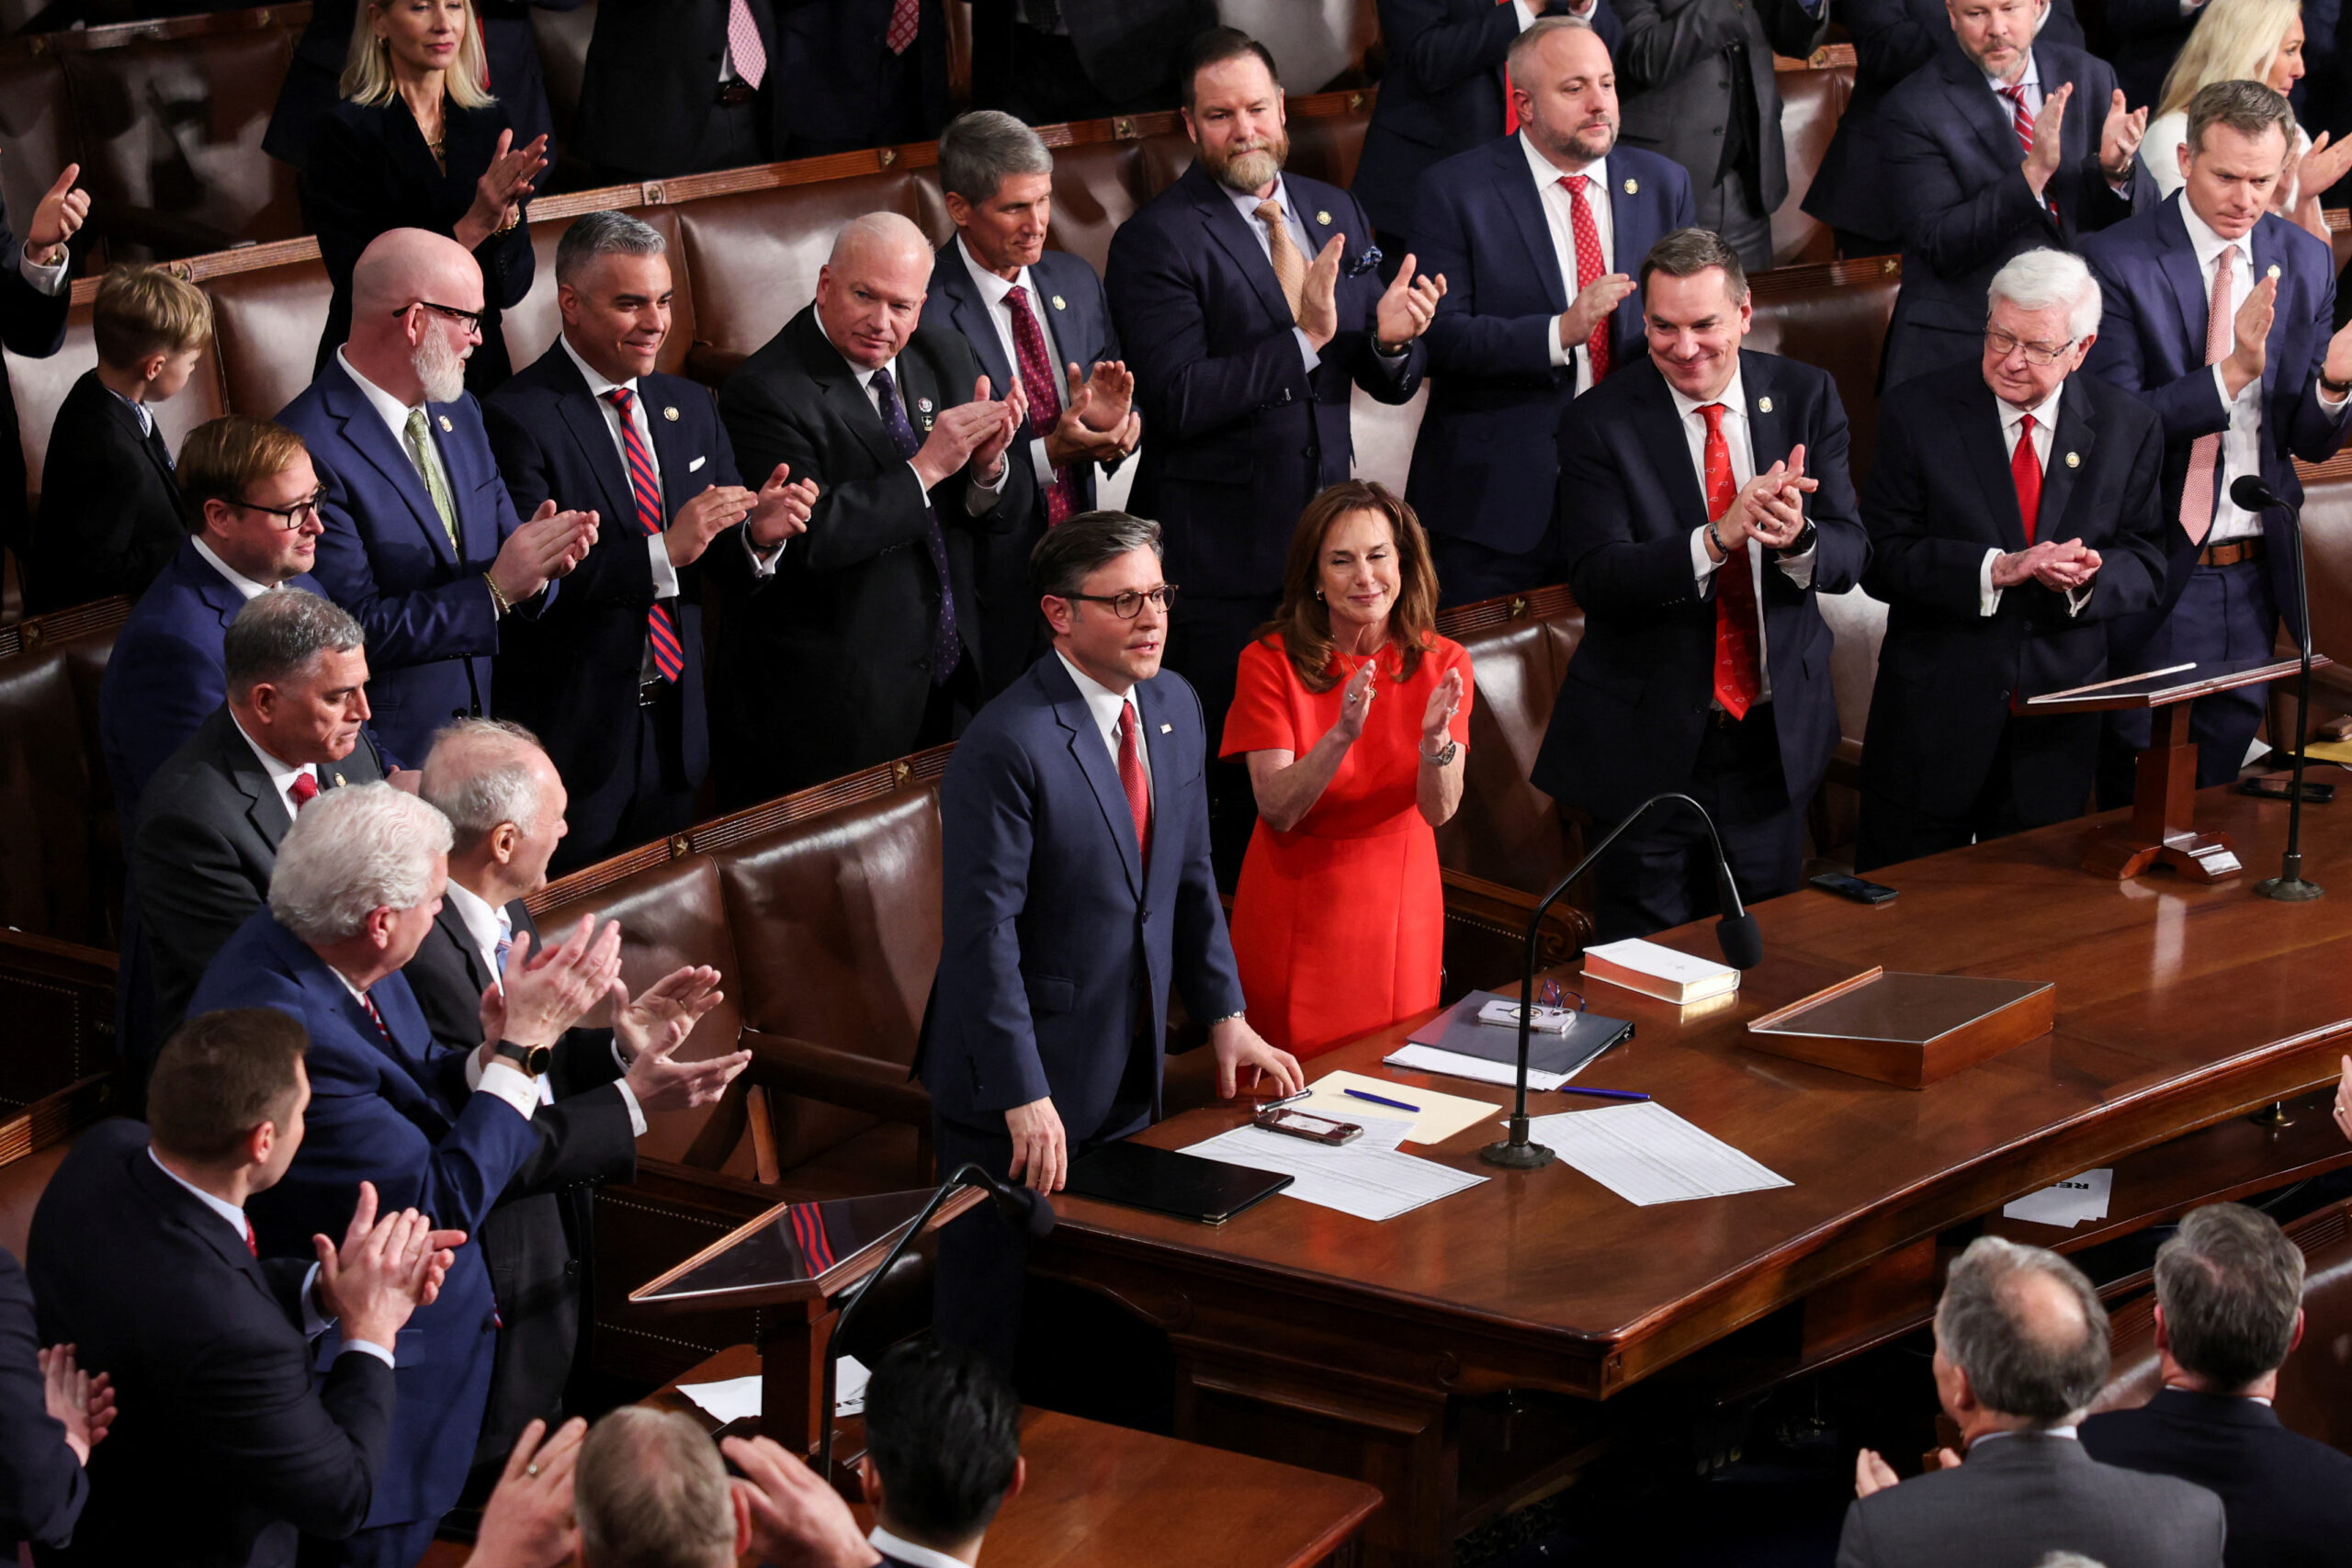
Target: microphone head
[(1031, 1209), (1742, 943), (2250, 494)]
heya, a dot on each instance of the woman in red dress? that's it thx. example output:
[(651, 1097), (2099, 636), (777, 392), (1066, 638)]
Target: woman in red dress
[(1351, 713)]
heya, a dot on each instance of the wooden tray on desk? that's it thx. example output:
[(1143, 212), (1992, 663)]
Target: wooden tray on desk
[(1908, 1029)]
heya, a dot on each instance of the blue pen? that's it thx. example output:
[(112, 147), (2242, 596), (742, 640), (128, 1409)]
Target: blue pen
[(1392, 1104), (1597, 1093)]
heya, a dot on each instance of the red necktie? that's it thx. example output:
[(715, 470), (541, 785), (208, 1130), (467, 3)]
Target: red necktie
[(304, 789), (661, 631), (1131, 779), (2025, 472), (2023, 124), (1588, 267), (905, 17), (1738, 680), (374, 1017), (253, 1243), (1038, 382)]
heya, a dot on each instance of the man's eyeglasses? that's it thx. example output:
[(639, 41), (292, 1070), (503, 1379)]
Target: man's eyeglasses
[(288, 517), (1128, 605), (469, 320), (2003, 345)]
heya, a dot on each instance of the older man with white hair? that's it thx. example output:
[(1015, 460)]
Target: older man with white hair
[(358, 879), (865, 644), (421, 542), (2013, 516)]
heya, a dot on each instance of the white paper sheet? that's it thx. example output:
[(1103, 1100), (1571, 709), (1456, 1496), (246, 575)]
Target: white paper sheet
[(1438, 1118), (2067, 1203), (1368, 1178), (1645, 1154), (732, 1398), (1451, 1063)]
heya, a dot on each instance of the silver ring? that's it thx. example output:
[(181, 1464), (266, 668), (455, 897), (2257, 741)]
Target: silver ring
[(531, 1470)]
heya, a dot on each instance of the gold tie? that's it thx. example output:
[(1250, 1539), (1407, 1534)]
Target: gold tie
[(1290, 267), (420, 445)]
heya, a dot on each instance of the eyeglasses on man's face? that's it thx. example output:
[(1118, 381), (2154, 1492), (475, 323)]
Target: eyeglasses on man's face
[(468, 321), (1128, 605), (2003, 345), (287, 518)]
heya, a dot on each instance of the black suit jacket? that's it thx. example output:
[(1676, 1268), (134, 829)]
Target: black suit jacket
[(831, 54), (110, 505), (1128, 49), (1632, 710), (33, 324), (370, 173), (205, 844), (1674, 73), (651, 80), (1939, 497), (571, 675), (225, 1446), (826, 665), (537, 1241), (2288, 1498), (42, 1489)]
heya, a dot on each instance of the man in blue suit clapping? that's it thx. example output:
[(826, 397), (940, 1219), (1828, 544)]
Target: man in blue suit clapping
[(1075, 833)]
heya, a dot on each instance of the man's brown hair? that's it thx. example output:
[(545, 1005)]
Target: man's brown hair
[(222, 1075), (223, 458)]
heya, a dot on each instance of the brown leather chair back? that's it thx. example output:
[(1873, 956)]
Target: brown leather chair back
[(1834, 316), (1811, 102), (266, 325), (1097, 186), (1856, 627), (533, 325), (1507, 831), (847, 908), (2327, 558), (60, 847), (1163, 157), (41, 386), (1326, 147)]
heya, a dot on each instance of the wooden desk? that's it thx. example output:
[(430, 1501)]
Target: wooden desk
[(1350, 1345), (1104, 1496)]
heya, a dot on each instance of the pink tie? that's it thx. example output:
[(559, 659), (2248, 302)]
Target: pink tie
[(2205, 452), (743, 46)]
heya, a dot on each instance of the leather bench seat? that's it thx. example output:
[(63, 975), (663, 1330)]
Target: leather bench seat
[(60, 844), (1834, 316), (1811, 102), (1506, 831), (266, 325)]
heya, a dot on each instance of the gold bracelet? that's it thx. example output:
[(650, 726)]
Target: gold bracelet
[(504, 605)]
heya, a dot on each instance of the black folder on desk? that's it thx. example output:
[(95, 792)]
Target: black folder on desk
[(1169, 1182)]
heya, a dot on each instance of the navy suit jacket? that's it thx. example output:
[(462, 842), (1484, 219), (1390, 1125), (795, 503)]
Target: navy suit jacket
[(1939, 497), (227, 1446), (32, 324), (1053, 927), (570, 674), (1892, 39), (42, 1488), (2152, 342), (395, 1112), (1239, 435), (430, 623), (110, 507), (1076, 316), (1442, 94), (2287, 1498), (1953, 167), (1632, 710), (1481, 468), (165, 675)]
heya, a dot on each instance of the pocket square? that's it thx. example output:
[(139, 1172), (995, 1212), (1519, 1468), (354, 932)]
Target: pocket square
[(697, 463)]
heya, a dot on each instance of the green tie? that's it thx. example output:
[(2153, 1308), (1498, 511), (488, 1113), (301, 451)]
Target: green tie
[(420, 442)]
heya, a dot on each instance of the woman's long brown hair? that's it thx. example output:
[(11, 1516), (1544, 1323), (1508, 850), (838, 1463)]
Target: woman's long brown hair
[(1303, 621)]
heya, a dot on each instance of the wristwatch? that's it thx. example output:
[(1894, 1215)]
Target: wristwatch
[(1803, 542), (534, 1060), (1439, 759)]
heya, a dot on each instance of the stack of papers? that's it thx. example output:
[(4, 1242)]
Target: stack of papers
[(2065, 1203), (1368, 1178), (1437, 1118), (732, 1398), (1645, 1154)]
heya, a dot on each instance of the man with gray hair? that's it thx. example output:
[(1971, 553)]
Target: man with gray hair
[(1034, 316), (865, 644), (611, 675), (2021, 1351), (205, 841), (2229, 1313), (2013, 518), (358, 879)]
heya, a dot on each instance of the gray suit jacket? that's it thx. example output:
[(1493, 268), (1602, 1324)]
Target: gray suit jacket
[(2020, 1498), (1675, 74)]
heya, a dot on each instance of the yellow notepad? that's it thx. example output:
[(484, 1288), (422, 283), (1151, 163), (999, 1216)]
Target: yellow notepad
[(1440, 1116)]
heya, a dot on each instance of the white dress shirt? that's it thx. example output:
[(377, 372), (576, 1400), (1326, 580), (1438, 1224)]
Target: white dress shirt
[(978, 496), (1247, 204), (992, 292), (245, 586), (139, 411), (1559, 216), (281, 774), (53, 280), (394, 413), (489, 925), (1102, 704), (906, 1552), (2031, 82), (1798, 569), (234, 1218), (2045, 435)]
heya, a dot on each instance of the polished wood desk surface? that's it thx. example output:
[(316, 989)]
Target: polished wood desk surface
[(1101, 1496), (2178, 1005)]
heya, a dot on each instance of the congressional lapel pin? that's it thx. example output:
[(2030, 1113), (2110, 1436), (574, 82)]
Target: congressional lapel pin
[(923, 405), (1166, 727), (670, 411), (445, 426), (697, 463), (2274, 269), (1633, 188), (1060, 303), (1763, 405), (2074, 459), (338, 781), (1323, 219)]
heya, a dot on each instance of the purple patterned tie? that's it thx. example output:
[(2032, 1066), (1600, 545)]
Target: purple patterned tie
[(947, 643)]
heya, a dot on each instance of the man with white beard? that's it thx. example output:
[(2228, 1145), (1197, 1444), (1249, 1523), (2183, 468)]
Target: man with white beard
[(422, 544)]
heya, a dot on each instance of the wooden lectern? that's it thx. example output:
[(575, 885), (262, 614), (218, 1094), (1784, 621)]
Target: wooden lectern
[(2161, 830), (792, 1262)]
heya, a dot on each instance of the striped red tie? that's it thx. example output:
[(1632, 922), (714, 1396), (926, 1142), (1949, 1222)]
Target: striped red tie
[(661, 631), (2023, 124), (373, 1016)]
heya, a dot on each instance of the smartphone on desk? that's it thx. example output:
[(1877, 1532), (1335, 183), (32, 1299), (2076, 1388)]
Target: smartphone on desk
[(2281, 786), (1306, 1124), (1854, 887)]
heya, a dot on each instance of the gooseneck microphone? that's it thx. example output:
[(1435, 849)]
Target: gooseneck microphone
[(1735, 934), (1023, 1207), (2250, 494)]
